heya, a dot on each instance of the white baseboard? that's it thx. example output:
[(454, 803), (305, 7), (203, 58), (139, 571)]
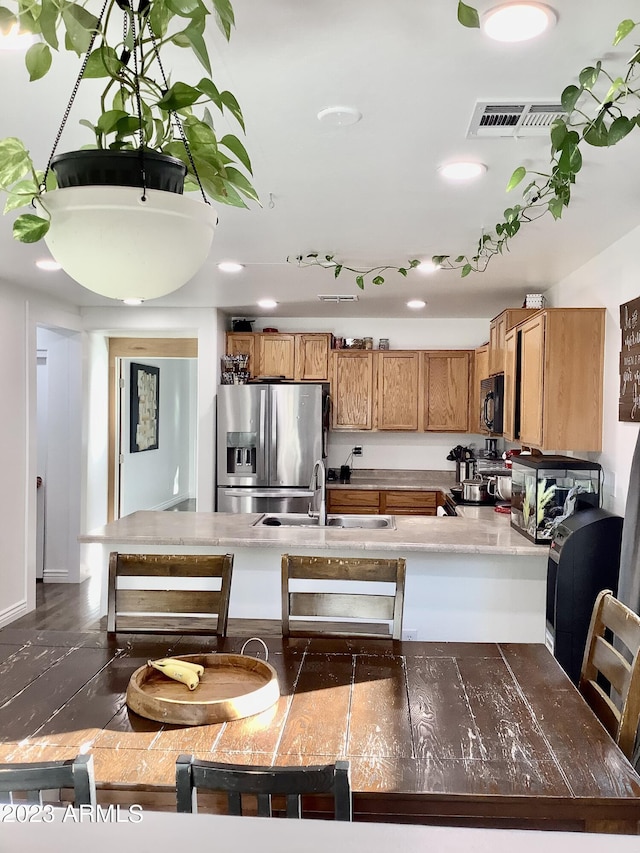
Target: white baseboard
[(171, 502), (56, 576), (10, 614)]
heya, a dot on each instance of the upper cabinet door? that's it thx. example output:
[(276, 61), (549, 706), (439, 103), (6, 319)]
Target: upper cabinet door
[(243, 343), (446, 382), (352, 389), (276, 355), (532, 376), (312, 356), (510, 390), (480, 372), (398, 384)]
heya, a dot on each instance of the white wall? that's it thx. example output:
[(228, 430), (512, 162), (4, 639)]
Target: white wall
[(157, 479), (62, 476), (21, 310), (608, 281)]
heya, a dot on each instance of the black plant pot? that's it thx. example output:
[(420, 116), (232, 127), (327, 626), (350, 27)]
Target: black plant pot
[(99, 167)]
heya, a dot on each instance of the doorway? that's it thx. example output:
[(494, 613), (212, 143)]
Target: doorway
[(153, 478)]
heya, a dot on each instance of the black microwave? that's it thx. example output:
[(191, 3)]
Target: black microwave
[(492, 396)]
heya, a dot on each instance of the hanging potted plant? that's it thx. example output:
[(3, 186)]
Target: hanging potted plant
[(148, 133)]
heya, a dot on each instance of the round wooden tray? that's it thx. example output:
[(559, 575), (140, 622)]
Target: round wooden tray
[(232, 687)]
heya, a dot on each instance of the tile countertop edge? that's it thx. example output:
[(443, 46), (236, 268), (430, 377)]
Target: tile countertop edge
[(482, 535)]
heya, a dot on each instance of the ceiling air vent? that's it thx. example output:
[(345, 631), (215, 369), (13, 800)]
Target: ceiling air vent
[(337, 298), (513, 119)]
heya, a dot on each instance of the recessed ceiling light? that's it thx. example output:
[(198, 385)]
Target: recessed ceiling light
[(518, 21), (416, 303), (462, 171), (230, 266), (133, 300), (339, 116), (48, 264), (267, 303), (13, 39), (427, 267)]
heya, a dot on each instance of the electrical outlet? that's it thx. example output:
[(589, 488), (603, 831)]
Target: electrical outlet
[(409, 633), (357, 450)]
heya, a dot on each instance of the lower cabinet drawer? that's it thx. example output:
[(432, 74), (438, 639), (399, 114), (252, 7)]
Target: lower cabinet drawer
[(353, 500), (409, 502)]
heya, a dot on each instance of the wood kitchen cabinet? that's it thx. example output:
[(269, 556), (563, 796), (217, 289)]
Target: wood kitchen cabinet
[(480, 372), (446, 391), (352, 386), (243, 343), (276, 355), (510, 375), (560, 352), (300, 356), (360, 501), (498, 329), (398, 376)]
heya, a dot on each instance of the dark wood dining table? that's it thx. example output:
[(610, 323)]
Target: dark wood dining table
[(485, 734)]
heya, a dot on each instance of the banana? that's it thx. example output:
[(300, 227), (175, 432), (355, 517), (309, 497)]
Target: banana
[(177, 671), (195, 667)]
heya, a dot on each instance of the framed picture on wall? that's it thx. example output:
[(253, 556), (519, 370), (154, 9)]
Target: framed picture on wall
[(144, 407)]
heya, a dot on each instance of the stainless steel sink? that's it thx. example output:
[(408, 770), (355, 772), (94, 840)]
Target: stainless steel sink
[(291, 519)]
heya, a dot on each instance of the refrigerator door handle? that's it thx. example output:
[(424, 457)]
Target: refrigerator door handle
[(263, 445), (268, 493), (273, 473)]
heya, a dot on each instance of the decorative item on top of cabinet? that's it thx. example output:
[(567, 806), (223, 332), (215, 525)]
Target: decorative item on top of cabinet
[(560, 354), (446, 386), (398, 377), (498, 329), (352, 389), (243, 343)]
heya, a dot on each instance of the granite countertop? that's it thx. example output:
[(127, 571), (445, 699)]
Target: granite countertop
[(380, 478), (475, 530)]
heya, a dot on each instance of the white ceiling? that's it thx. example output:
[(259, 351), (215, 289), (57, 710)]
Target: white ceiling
[(369, 193)]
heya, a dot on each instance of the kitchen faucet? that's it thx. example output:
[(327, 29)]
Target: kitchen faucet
[(318, 484)]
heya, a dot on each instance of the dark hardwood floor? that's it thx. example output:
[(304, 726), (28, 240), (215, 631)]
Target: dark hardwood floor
[(76, 607)]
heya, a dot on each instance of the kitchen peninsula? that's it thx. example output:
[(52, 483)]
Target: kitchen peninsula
[(470, 577)]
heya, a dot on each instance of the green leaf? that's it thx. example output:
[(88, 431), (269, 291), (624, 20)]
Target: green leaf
[(558, 133), (588, 77), (414, 263), (555, 208), (48, 22), (179, 95), (208, 88), (196, 42), (38, 60), (614, 89), (224, 16), (7, 19), (620, 127), (232, 197), (596, 135), (80, 25), (360, 281), (15, 161), (21, 193), (466, 269), (624, 28), (159, 18), (337, 270), (241, 183), (30, 228), (233, 106), (102, 62), (108, 120), (402, 271), (184, 8), (438, 260), (459, 259), (237, 148), (468, 16), (516, 178), (377, 279), (569, 98)]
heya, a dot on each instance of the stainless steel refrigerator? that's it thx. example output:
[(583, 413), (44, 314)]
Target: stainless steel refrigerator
[(269, 436)]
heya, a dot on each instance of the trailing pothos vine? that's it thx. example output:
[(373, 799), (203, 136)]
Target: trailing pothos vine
[(600, 110)]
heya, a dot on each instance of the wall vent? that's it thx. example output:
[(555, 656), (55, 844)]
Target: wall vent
[(513, 119), (327, 297)]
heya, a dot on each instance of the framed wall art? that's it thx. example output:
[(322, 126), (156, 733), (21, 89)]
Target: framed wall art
[(144, 407), (629, 401)]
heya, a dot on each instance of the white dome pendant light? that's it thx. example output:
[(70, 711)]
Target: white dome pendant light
[(113, 243)]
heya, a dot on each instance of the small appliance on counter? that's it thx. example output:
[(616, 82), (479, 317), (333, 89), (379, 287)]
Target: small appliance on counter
[(547, 489), (584, 558)]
